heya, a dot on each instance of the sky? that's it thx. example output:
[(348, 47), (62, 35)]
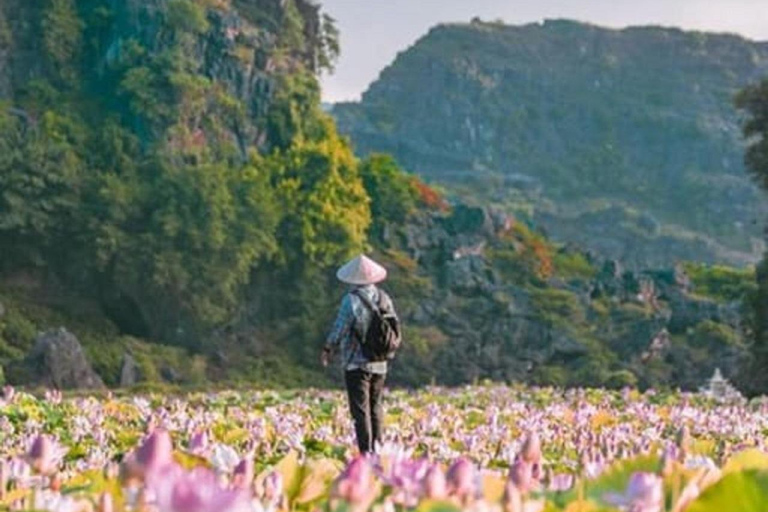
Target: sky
[(374, 31)]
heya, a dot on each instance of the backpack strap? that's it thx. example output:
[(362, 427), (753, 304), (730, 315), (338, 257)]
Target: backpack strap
[(366, 302), (357, 336)]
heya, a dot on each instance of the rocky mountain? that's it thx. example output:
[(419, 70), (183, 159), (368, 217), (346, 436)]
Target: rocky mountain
[(174, 203), (485, 298), (623, 141)]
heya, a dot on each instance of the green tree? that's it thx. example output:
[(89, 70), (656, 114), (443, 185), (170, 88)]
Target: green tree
[(327, 208), (754, 101), (392, 192), (188, 242), (40, 180)]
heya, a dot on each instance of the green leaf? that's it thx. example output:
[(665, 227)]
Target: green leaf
[(437, 506), (745, 491), (318, 477), (747, 459), (291, 471)]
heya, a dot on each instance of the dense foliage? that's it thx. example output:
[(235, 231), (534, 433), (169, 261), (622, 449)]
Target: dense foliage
[(142, 171), (754, 101)]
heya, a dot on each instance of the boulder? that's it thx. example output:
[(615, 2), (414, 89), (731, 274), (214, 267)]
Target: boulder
[(57, 360), (470, 220), (129, 371)]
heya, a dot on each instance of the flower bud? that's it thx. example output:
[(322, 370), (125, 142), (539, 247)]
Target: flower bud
[(461, 479), (684, 441), (156, 450), (355, 484), (273, 487), (242, 475), (41, 455), (434, 484), (531, 449), (645, 490), (513, 498), (198, 442)]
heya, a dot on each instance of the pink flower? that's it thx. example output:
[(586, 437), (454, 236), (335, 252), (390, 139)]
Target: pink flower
[(105, 503), (522, 475), (8, 393), (434, 486), (644, 493), (531, 449), (462, 479), (273, 487), (198, 443), (242, 476), (355, 484), (561, 482), (155, 453), (53, 396), (45, 454), (198, 490)]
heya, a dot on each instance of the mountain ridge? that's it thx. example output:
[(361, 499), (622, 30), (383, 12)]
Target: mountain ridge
[(639, 118)]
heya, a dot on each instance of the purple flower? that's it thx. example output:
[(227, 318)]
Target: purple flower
[(561, 482), (155, 453), (273, 487), (242, 476), (355, 484), (45, 454), (462, 480), (644, 493), (198, 490), (434, 485), (198, 443)]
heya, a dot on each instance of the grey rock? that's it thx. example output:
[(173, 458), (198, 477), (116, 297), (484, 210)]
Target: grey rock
[(57, 360), (129, 371)]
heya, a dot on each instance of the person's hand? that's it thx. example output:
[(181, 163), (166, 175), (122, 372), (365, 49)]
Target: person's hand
[(325, 356)]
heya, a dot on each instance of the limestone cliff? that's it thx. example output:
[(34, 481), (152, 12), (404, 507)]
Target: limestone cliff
[(624, 141)]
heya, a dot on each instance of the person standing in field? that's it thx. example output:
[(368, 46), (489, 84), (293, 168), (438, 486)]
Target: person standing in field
[(367, 335)]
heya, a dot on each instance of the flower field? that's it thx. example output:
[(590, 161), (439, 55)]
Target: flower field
[(483, 448)]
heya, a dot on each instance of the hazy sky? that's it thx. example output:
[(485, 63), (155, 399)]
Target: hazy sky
[(374, 31)]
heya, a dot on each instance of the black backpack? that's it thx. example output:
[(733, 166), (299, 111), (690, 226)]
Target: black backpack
[(383, 337)]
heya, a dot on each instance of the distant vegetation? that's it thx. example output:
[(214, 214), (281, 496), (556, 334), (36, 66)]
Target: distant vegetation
[(754, 102), (171, 189), (625, 142)]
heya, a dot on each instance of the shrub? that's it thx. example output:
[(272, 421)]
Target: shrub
[(720, 282), (557, 306)]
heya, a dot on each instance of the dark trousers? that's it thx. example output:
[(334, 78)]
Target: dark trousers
[(364, 390)]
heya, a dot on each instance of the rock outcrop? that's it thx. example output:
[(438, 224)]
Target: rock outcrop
[(57, 360), (640, 323), (129, 371)]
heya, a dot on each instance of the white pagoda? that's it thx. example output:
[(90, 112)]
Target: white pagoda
[(719, 389)]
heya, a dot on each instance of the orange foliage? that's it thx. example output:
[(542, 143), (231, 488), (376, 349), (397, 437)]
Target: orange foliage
[(428, 196), (543, 259)]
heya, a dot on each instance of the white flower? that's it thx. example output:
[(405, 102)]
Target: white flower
[(224, 458)]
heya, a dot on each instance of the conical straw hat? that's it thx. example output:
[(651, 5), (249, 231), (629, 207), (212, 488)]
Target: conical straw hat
[(361, 271)]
